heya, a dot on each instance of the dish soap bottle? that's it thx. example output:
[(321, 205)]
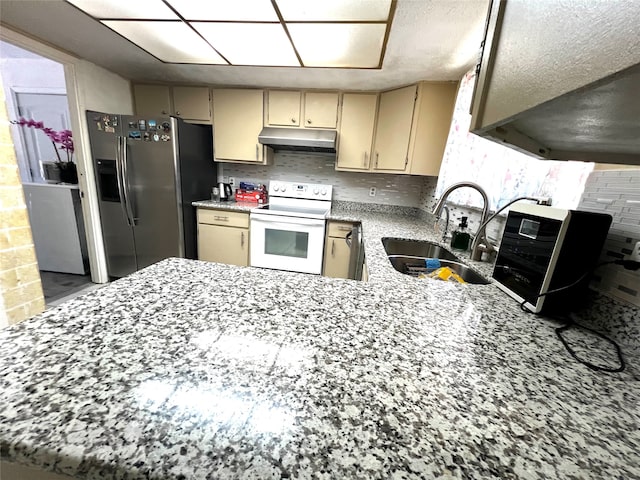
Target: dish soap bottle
[(460, 238)]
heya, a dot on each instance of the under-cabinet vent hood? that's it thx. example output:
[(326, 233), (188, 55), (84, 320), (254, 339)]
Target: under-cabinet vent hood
[(299, 139)]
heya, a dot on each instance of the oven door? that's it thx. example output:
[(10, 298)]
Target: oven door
[(287, 243)]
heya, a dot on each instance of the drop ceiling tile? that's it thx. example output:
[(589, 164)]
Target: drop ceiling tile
[(348, 45), (149, 9), (169, 41), (226, 10), (334, 10), (250, 43)]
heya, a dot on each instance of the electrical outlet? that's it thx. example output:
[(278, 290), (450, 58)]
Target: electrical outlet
[(232, 181), (635, 254), (372, 192)]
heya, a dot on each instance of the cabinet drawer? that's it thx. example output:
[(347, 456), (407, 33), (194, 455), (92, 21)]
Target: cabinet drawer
[(339, 229), (223, 217)]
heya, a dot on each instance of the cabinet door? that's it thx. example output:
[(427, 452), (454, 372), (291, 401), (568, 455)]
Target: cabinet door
[(152, 100), (284, 108), (192, 103), (320, 110), (431, 127), (395, 116), (336, 258), (223, 244), (356, 130), (237, 121)]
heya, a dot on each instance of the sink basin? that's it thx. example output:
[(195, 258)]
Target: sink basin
[(416, 248), (415, 265)]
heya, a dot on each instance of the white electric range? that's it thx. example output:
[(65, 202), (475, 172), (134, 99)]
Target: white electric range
[(288, 232)]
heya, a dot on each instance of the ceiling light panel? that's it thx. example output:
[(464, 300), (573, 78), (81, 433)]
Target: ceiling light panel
[(338, 45), (264, 44), (148, 9), (169, 41), (226, 10), (334, 10)]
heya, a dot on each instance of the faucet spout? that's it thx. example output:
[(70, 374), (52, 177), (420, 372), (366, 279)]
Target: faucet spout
[(437, 210)]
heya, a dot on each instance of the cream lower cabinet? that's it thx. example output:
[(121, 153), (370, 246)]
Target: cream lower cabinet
[(223, 236), (237, 122), (337, 253)]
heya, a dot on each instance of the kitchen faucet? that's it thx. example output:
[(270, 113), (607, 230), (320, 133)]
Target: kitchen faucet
[(479, 245)]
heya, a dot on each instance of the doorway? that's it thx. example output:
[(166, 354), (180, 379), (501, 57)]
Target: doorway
[(35, 90)]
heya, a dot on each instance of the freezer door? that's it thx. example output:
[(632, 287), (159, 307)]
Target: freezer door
[(150, 173), (116, 233)]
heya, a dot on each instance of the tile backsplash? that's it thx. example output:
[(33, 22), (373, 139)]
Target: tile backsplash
[(616, 192), (401, 190)]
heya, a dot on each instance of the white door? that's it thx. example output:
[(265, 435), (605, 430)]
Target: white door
[(53, 110)]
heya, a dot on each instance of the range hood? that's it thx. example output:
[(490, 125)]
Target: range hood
[(299, 139)]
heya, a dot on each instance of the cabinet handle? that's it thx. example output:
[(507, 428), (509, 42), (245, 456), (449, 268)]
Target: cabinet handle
[(293, 120), (221, 219), (177, 113), (364, 160), (406, 162), (377, 155), (309, 121), (242, 239), (257, 157), (333, 247), (164, 112), (342, 228)]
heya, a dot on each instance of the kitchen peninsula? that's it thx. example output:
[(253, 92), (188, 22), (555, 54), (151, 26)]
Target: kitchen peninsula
[(198, 370)]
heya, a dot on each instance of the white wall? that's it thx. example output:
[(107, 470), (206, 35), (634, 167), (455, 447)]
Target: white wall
[(91, 87)]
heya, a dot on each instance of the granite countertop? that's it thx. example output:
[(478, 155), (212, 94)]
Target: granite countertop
[(194, 370)]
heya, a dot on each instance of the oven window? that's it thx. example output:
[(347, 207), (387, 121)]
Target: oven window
[(286, 243)]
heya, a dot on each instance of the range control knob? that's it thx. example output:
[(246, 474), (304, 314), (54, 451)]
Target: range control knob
[(283, 188), (276, 187), (316, 191), (323, 191)]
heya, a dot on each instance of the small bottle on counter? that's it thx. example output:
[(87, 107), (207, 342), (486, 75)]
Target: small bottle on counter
[(460, 238)]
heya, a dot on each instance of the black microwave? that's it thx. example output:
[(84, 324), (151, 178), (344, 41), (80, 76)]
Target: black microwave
[(545, 248)]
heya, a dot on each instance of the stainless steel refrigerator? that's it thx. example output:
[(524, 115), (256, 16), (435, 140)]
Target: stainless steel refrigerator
[(148, 171)]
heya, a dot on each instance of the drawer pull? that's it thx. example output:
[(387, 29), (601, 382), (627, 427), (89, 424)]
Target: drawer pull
[(221, 219), (293, 120), (309, 121), (342, 228)]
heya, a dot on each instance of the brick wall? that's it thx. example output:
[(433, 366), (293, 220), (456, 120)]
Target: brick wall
[(20, 288), (616, 192)]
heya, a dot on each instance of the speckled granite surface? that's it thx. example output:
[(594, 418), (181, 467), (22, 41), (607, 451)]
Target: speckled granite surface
[(197, 370)]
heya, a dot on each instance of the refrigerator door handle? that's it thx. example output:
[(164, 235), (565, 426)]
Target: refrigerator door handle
[(119, 177), (125, 184)]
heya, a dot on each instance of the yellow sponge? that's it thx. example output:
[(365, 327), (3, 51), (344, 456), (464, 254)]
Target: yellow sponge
[(446, 274)]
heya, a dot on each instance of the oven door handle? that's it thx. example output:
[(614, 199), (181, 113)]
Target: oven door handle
[(288, 220)]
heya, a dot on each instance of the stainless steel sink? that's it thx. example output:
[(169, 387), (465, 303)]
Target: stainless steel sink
[(415, 265), (416, 248)]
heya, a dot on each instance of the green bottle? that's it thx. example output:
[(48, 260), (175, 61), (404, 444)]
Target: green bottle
[(460, 238)]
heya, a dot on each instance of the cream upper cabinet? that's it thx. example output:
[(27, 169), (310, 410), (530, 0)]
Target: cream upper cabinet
[(432, 121), (189, 103), (237, 122), (356, 131), (321, 109), (223, 236), (283, 108), (192, 103), (395, 118), (152, 100)]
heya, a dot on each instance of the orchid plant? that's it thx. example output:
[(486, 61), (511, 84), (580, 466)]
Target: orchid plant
[(62, 138)]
